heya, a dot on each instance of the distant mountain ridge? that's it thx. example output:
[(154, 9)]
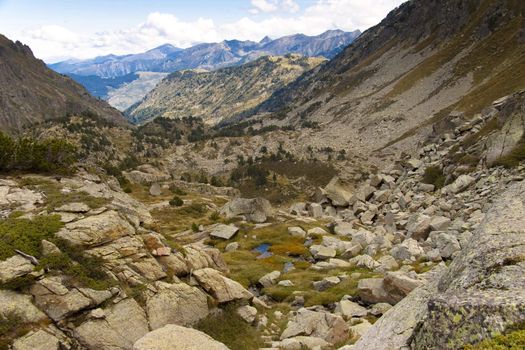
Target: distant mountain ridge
[(209, 56)]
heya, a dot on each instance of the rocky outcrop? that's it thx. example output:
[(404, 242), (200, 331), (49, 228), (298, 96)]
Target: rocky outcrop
[(172, 337)]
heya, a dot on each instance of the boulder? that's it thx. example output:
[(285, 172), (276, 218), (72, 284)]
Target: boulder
[(296, 232), (336, 193), (440, 223), (13, 267), (326, 283), (155, 190), (39, 340), (460, 184), (222, 288), (256, 209), (360, 329), (223, 231), (231, 247), (20, 305), (74, 208), (173, 337), (175, 303), (247, 313), (329, 327), (350, 309), (418, 226), (270, 279), (322, 252), (409, 250), (302, 342), (315, 210), (398, 285), (372, 291), (445, 243), (122, 325), (365, 261)]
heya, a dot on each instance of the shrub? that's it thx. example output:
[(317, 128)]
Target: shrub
[(229, 328), (434, 176), (195, 227), (177, 190), (176, 202), (215, 216), (26, 235), (28, 154)]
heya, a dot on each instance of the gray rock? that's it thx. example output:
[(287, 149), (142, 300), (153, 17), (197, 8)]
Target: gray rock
[(223, 231), (231, 247), (440, 223), (336, 193), (329, 327), (39, 340), (13, 267), (350, 309), (222, 288), (256, 210), (270, 279), (446, 244), (74, 208), (247, 313), (315, 210), (172, 337), (326, 283), (155, 190), (372, 291), (365, 261), (20, 305), (460, 184), (418, 226), (360, 329), (322, 252), (302, 342), (296, 232), (407, 251)]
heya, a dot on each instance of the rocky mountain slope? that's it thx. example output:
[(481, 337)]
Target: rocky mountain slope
[(30, 92), (426, 63), (221, 94)]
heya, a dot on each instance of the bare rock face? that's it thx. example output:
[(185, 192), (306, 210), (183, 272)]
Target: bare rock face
[(119, 327), (172, 337), (176, 304), (256, 209), (21, 305), (222, 288), (39, 340)]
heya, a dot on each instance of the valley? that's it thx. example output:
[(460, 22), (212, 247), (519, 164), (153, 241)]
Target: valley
[(346, 191)]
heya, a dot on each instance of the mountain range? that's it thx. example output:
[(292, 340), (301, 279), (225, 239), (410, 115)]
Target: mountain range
[(104, 75)]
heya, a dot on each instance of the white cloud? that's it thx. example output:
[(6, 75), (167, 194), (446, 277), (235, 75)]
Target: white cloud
[(276, 18)]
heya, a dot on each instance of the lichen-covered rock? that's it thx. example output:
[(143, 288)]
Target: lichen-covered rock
[(483, 291), (13, 267), (172, 337), (20, 305)]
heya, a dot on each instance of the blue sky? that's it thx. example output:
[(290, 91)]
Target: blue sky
[(59, 29)]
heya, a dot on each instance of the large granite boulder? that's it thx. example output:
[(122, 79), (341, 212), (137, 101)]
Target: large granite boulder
[(222, 288), (13, 267), (172, 337), (175, 304)]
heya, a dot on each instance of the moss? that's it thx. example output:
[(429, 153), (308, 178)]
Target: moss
[(26, 235), (229, 328)]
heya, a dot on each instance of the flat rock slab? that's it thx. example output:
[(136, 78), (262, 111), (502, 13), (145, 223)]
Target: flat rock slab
[(223, 231)]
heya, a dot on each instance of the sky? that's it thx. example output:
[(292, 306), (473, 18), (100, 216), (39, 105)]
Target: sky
[(62, 29)]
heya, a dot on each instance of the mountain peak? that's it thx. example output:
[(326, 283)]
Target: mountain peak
[(265, 40)]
